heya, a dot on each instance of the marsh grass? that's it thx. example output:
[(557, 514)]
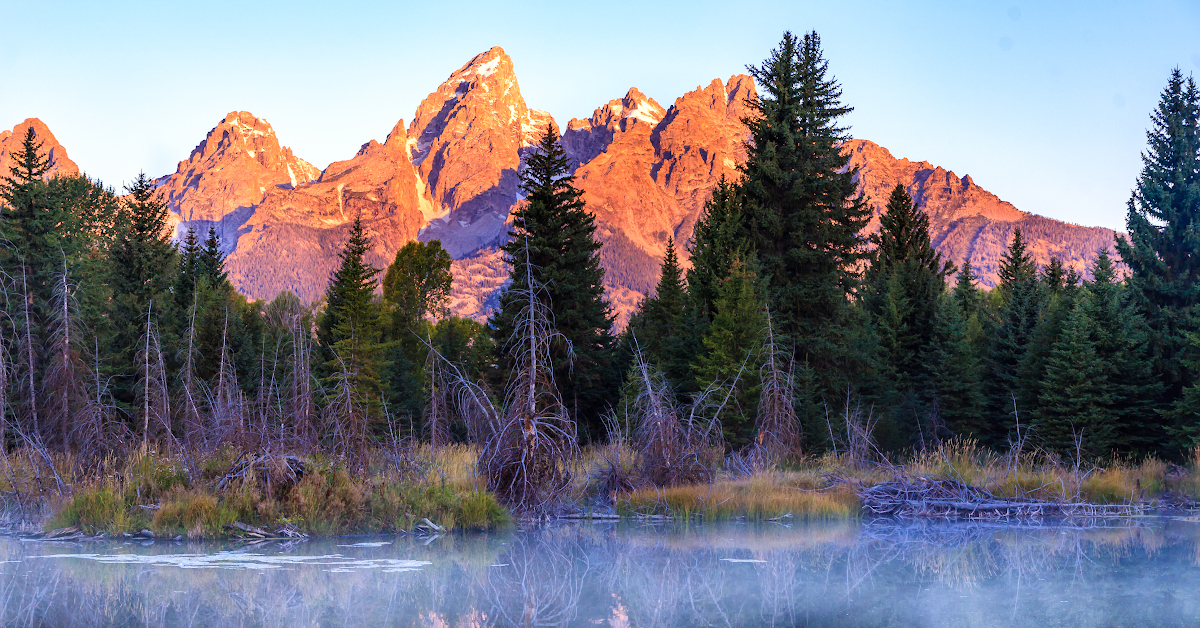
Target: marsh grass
[(766, 495), (151, 491)]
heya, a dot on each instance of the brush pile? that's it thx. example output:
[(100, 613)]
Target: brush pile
[(951, 499)]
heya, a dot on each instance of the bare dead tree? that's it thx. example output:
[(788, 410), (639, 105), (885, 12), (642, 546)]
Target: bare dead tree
[(191, 387), (301, 407), (154, 390), (64, 381), (437, 410), (527, 459), (27, 348), (676, 445), (227, 400), (346, 413), (777, 425)]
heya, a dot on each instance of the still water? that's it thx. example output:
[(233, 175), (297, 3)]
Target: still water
[(1144, 572)]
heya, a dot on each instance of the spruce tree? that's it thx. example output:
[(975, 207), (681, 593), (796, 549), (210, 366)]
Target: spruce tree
[(1122, 344), (732, 349), (901, 292), (1021, 297), (718, 239), (663, 326), (1075, 401), (955, 371), (210, 263), (1163, 250), (557, 233), (141, 269), (802, 214)]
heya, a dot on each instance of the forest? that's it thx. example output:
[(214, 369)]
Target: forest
[(138, 389)]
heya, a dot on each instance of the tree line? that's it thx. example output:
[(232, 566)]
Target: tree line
[(814, 335)]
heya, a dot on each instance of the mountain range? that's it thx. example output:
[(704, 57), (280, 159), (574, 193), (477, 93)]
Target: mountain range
[(452, 174)]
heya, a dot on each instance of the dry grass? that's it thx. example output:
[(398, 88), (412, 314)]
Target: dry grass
[(150, 491), (767, 495)]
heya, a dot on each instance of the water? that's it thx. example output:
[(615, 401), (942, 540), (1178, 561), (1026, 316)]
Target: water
[(1144, 572)]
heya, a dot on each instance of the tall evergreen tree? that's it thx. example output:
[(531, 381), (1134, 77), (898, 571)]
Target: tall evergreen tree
[(732, 349), (210, 263), (1163, 250), (802, 214), (663, 327), (142, 267), (719, 238), (1021, 298), (557, 233)]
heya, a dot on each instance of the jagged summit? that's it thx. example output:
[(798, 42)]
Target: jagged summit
[(11, 142), (451, 175), (233, 168)]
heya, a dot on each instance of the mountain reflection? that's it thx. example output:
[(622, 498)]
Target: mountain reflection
[(878, 573)]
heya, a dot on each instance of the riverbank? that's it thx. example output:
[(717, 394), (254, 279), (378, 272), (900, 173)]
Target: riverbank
[(422, 490)]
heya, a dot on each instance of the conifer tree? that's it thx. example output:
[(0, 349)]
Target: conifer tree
[(141, 270), (956, 371), (664, 326), (1163, 250), (559, 235), (902, 289), (187, 271), (802, 215), (210, 263), (719, 238), (1021, 298), (1076, 397), (348, 329), (732, 349), (1122, 344)]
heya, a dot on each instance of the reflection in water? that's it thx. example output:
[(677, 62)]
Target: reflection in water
[(880, 573)]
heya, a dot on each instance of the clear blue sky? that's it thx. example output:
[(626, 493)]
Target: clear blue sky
[(1044, 104)]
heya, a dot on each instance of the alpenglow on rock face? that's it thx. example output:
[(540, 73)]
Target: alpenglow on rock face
[(452, 175), (14, 140)]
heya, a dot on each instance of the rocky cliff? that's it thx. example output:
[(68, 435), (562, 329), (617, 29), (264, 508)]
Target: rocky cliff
[(453, 175), (13, 141)]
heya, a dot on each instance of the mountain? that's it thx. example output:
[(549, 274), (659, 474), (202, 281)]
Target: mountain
[(965, 220), (453, 175), (12, 141)]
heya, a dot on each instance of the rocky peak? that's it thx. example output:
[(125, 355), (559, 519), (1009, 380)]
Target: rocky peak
[(584, 139), (466, 140), (12, 141), (234, 167)]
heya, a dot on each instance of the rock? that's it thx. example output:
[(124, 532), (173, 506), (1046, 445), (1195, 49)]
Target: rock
[(14, 140)]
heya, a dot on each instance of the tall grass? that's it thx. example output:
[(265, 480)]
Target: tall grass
[(150, 491)]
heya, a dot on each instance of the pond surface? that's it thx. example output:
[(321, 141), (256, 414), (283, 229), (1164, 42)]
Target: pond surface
[(1144, 572)]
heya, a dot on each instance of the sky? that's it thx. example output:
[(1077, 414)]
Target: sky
[(1044, 104)]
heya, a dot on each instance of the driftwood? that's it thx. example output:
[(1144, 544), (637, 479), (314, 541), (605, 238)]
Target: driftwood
[(274, 471), (956, 500)]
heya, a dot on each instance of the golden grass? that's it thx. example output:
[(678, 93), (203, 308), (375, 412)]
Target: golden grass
[(765, 496), (439, 485)]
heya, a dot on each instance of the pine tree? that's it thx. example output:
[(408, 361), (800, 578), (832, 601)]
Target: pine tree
[(557, 233), (901, 292), (349, 332), (210, 263), (663, 328), (1021, 297), (732, 346), (956, 371), (802, 215), (718, 239), (188, 253), (1122, 344), (1076, 396), (1163, 250), (141, 269)]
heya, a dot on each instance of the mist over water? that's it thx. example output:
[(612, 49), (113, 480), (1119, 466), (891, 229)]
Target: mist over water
[(879, 573)]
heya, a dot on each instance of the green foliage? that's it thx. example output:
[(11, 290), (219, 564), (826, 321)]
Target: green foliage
[(732, 350), (801, 212), (1021, 296), (553, 239), (664, 327), (1163, 251), (417, 283)]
